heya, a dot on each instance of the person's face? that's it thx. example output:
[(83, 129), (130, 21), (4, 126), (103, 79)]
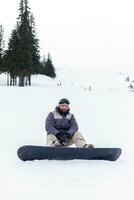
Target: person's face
[(64, 107)]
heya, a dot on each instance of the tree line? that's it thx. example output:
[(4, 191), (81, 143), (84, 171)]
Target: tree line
[(22, 57)]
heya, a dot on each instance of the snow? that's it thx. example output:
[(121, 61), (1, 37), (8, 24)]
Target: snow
[(105, 116)]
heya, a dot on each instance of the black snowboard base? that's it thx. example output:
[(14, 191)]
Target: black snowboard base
[(67, 153)]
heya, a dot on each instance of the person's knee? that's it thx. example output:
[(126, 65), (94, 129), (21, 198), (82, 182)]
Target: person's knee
[(78, 135), (50, 139)]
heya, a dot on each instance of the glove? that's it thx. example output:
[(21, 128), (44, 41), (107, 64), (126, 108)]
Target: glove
[(64, 138)]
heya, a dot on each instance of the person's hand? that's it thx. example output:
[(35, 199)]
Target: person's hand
[(64, 138)]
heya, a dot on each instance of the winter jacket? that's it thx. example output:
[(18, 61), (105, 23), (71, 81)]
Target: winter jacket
[(56, 123)]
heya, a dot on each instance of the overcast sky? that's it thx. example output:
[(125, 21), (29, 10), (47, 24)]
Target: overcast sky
[(98, 34)]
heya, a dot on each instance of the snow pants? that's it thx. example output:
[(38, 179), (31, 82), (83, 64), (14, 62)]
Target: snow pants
[(77, 139)]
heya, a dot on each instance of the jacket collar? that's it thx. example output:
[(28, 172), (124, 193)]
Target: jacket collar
[(62, 113)]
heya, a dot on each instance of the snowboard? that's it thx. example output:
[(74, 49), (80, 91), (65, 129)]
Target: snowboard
[(30, 153)]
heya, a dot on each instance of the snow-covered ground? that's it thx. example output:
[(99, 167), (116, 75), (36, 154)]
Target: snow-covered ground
[(105, 114)]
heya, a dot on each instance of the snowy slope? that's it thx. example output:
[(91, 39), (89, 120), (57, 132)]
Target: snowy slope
[(97, 80), (105, 116)]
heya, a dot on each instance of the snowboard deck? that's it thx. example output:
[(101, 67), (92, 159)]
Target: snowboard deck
[(30, 153)]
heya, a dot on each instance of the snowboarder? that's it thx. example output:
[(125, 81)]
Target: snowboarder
[(62, 128)]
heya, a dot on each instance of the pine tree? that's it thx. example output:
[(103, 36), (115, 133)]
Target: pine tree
[(22, 58), (11, 56), (29, 41), (23, 48), (1, 47), (25, 43), (35, 47), (49, 68), (43, 66), (21, 9)]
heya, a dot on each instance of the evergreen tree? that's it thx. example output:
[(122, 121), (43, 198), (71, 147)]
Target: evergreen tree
[(1, 47), (35, 47), (25, 44), (22, 58), (11, 56), (43, 66), (21, 9), (23, 48), (29, 39), (49, 68)]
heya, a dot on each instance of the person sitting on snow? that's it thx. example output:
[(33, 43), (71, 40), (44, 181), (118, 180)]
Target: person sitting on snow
[(62, 128)]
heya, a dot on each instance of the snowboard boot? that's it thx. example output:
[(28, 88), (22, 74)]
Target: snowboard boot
[(88, 146)]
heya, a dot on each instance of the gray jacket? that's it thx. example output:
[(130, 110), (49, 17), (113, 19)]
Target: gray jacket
[(56, 123)]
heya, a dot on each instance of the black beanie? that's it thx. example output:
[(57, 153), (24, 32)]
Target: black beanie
[(64, 100)]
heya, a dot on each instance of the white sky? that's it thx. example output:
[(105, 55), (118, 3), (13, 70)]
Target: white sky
[(98, 34)]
